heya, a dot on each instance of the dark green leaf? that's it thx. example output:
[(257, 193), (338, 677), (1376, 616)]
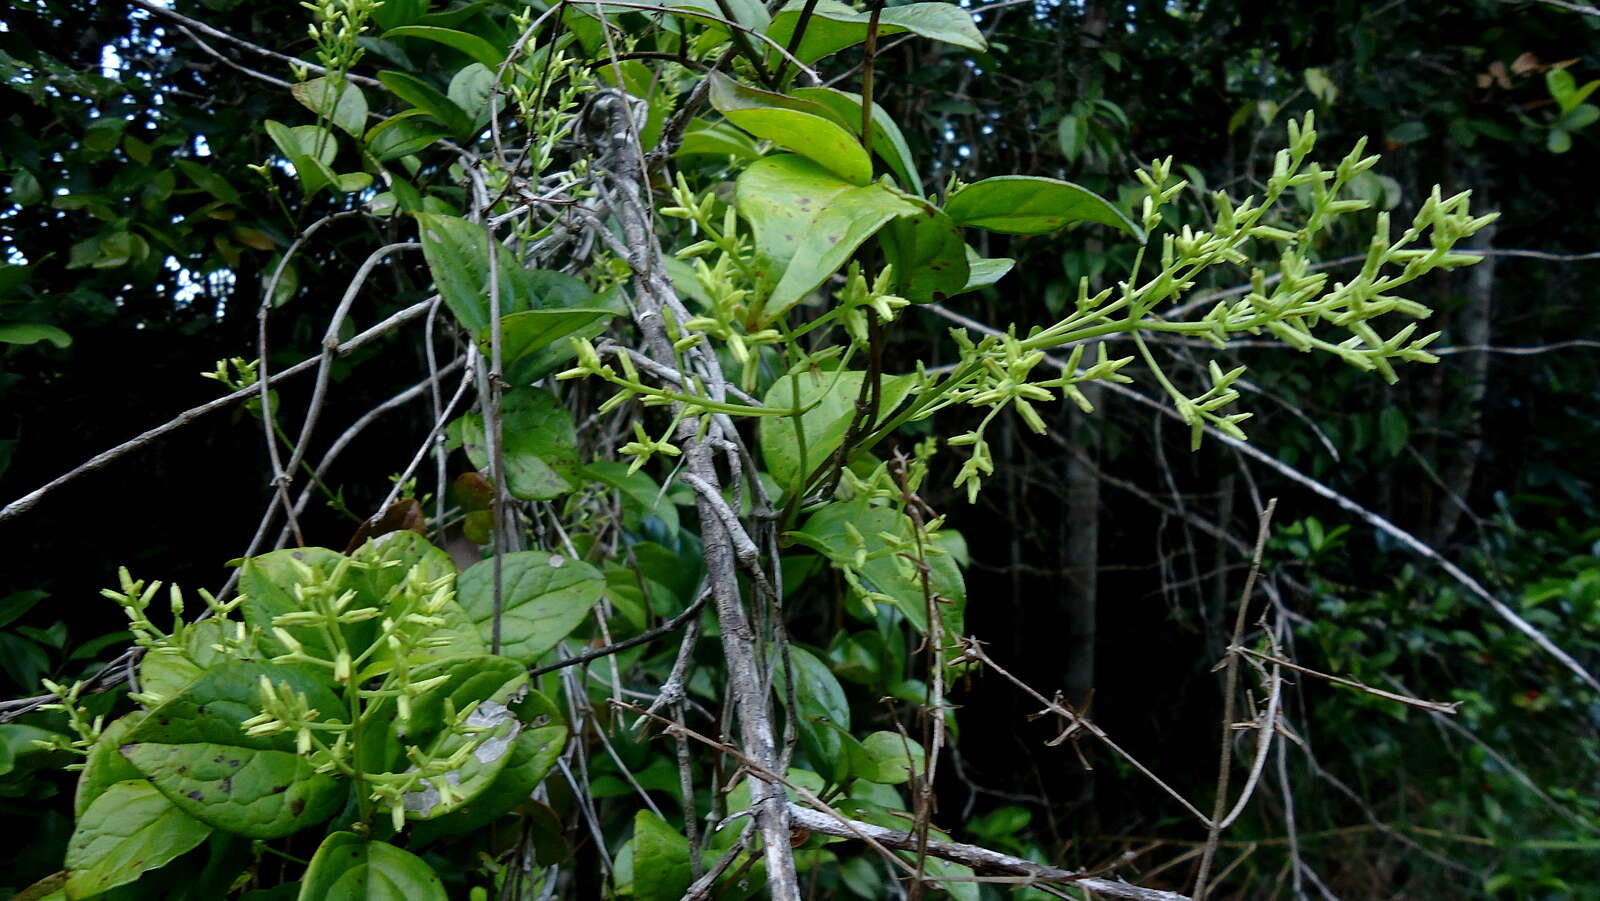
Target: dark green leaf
[(466, 42), (350, 868), (427, 98), (828, 399), (544, 596), (540, 443), (929, 257)]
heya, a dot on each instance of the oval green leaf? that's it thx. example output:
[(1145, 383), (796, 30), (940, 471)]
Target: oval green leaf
[(842, 226), (806, 127), (544, 596), (835, 26), (540, 443), (1032, 205), (349, 868), (130, 828)]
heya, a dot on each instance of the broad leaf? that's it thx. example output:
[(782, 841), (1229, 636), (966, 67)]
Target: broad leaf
[(130, 828), (245, 791), (402, 134), (540, 443), (929, 257), (269, 581), (33, 332), (103, 767), (349, 868), (828, 399), (894, 758), (661, 865), (641, 495), (543, 597), (534, 752), (985, 271), (1031, 205), (806, 127), (720, 139), (885, 571), (887, 141), (780, 196), (835, 234), (526, 338), (346, 107), (823, 717), (491, 683), (835, 26)]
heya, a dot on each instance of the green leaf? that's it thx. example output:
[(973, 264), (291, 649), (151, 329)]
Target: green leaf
[(835, 26), (1559, 140), (720, 139), (130, 828), (103, 767), (544, 596), (806, 127), (841, 227), (824, 714), (253, 793), (894, 758), (540, 443), (25, 188), (471, 89), (780, 196), (534, 752), (884, 570), (18, 603), (641, 495), (104, 133), (532, 341), (493, 684), (887, 141), (829, 400), (1394, 430), (661, 866), (1032, 205), (1580, 117), (402, 135), (349, 868), (386, 567), (32, 333), (984, 271), (457, 252), (929, 257), (269, 581), (427, 98), (1408, 132), (346, 107), (470, 44), (1072, 134), (209, 181)]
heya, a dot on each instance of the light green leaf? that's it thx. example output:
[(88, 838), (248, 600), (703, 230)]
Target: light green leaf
[(103, 767), (828, 399), (1032, 205), (457, 252), (544, 596), (540, 443), (720, 139), (476, 47), (887, 141), (780, 196), (661, 866), (985, 271), (806, 127), (471, 89), (33, 332), (842, 226), (349, 868), (269, 580), (835, 26), (130, 828), (347, 108)]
